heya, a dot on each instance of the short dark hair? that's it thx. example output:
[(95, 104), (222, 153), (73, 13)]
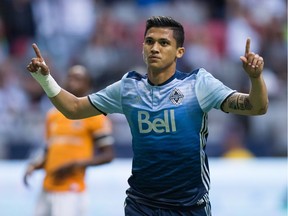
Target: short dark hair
[(169, 22)]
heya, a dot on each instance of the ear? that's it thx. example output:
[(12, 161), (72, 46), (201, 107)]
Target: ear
[(143, 48), (180, 52)]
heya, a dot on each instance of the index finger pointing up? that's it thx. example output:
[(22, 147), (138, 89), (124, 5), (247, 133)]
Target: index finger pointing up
[(37, 51), (247, 48)]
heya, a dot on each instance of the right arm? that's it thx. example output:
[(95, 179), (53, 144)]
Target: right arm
[(73, 107), (69, 105)]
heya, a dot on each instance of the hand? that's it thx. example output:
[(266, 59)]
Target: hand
[(252, 63), (38, 63), (67, 169), (28, 173)]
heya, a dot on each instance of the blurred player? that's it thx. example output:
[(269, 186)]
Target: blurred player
[(72, 146), (234, 147), (167, 114)]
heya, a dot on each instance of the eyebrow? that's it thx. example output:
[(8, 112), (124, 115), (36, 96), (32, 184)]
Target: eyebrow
[(160, 39)]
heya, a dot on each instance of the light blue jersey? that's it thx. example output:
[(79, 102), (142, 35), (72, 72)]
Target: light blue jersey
[(169, 129)]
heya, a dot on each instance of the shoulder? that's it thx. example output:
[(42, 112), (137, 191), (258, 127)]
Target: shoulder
[(203, 75), (203, 72), (184, 75), (135, 75)]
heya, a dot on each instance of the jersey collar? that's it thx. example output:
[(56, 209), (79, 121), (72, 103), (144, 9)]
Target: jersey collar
[(164, 83)]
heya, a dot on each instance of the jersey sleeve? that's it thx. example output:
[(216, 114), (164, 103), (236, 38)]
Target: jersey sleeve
[(101, 128), (210, 91), (108, 100)]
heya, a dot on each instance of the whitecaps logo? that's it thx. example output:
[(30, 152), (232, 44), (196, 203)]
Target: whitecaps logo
[(176, 96)]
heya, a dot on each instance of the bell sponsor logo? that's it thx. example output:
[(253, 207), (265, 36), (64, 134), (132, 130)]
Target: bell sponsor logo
[(158, 125)]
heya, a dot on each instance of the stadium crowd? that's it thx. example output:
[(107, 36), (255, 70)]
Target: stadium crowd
[(106, 36)]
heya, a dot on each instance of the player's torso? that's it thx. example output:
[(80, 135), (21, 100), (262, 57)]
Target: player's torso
[(68, 141), (69, 138), (161, 109), (168, 127)]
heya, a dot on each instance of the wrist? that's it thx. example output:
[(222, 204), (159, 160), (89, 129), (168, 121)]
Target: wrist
[(256, 76), (48, 83)]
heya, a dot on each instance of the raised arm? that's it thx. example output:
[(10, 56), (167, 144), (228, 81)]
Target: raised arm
[(69, 105), (256, 102)]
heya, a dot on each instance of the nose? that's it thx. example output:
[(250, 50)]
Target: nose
[(155, 48)]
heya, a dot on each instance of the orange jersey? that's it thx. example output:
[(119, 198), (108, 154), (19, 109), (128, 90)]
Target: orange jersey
[(70, 140)]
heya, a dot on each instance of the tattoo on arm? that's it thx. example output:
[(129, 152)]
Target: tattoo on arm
[(239, 102)]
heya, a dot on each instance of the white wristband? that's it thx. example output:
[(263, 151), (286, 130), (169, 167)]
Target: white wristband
[(49, 85)]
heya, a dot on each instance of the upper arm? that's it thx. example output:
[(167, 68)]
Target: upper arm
[(73, 107), (210, 91), (86, 108), (238, 103), (108, 100)]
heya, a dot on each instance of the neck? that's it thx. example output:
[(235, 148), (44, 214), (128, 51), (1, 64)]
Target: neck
[(159, 77)]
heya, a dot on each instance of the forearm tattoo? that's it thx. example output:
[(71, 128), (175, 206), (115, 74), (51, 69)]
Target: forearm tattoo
[(239, 102)]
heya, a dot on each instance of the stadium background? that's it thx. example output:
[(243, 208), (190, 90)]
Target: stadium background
[(106, 36)]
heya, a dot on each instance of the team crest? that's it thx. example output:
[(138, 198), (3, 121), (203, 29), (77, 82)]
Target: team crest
[(176, 96)]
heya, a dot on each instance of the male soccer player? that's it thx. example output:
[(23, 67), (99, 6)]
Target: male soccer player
[(72, 146), (167, 114)]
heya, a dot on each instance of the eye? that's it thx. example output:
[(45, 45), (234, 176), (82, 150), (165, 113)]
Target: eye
[(148, 41), (164, 43)]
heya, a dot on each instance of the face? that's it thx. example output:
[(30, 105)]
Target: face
[(77, 81), (160, 51)]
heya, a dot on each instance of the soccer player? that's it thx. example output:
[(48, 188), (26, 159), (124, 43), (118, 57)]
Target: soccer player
[(167, 114), (72, 146)]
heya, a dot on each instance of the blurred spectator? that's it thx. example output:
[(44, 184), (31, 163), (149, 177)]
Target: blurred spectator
[(12, 102), (274, 47), (104, 55), (19, 24), (234, 146), (4, 47), (239, 26), (201, 49), (63, 26)]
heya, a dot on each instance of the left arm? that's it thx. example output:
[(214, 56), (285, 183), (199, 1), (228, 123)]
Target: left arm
[(256, 102), (105, 155), (103, 151)]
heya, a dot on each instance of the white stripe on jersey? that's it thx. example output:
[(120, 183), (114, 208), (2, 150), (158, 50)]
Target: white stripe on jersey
[(204, 169)]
